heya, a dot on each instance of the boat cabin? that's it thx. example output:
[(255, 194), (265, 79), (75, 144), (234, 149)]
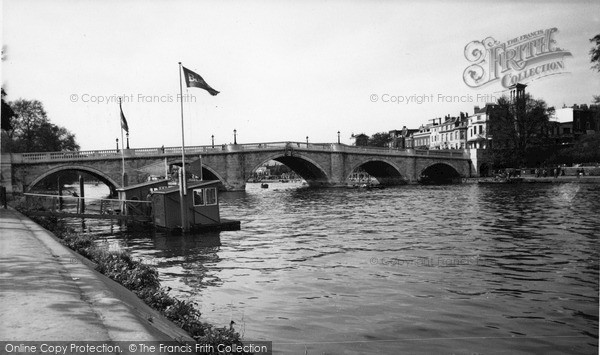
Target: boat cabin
[(201, 206), (139, 192)]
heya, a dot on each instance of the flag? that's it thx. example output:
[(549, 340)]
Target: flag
[(123, 120), (194, 80)]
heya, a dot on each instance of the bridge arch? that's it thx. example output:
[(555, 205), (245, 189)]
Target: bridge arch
[(439, 173), (386, 172), (106, 179), (305, 167), (208, 173)]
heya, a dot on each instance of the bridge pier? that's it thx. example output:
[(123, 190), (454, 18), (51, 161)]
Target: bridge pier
[(235, 174)]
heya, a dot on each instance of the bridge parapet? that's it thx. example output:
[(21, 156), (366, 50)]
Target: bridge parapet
[(43, 157), (323, 164)]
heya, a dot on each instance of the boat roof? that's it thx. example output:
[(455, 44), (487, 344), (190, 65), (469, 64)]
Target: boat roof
[(190, 185), (144, 184)]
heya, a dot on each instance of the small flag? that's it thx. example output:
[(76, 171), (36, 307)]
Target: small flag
[(123, 120), (194, 80)]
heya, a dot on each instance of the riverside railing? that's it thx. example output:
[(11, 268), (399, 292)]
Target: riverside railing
[(91, 207), (224, 148)]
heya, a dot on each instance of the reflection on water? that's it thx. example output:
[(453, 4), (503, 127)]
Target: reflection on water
[(427, 269)]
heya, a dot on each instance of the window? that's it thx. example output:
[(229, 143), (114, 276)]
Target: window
[(211, 196), (205, 197), (198, 197), (480, 129)]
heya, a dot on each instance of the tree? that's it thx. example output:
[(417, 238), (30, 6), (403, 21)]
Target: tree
[(7, 114), (586, 149), (595, 52), (380, 139), (519, 131), (32, 131)]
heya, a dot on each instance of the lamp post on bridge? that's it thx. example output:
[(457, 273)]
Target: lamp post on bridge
[(117, 140), (127, 134), (234, 136), (338, 137), (213, 140), (306, 141)]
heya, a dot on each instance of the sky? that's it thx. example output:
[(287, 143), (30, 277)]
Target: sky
[(285, 70)]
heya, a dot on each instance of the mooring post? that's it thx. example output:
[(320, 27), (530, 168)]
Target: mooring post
[(3, 196), (81, 195), (60, 199)]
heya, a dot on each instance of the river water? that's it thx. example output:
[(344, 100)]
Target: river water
[(414, 269)]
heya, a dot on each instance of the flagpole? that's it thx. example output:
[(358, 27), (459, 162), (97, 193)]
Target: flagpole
[(182, 176), (186, 95), (122, 148)]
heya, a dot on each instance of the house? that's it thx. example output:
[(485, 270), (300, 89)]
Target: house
[(435, 139), (420, 139), (452, 132), (401, 139), (585, 119), (478, 134), (360, 140)]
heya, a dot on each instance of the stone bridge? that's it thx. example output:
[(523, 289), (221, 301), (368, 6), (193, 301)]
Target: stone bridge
[(323, 164)]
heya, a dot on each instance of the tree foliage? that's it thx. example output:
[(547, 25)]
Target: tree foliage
[(7, 114), (32, 131), (519, 131), (380, 139), (595, 52), (585, 150)]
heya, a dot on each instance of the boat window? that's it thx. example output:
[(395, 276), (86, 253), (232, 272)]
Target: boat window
[(198, 197), (211, 196)]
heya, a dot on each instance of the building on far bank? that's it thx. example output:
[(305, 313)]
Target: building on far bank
[(402, 139), (453, 132), (435, 140), (478, 136), (585, 119), (360, 140), (420, 139)]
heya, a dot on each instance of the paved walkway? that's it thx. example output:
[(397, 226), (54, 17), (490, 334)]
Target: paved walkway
[(48, 292)]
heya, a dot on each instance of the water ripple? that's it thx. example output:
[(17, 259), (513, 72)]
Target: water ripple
[(509, 268)]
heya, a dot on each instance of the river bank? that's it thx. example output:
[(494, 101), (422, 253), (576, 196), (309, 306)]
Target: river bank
[(51, 293), (533, 179), (66, 287)]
